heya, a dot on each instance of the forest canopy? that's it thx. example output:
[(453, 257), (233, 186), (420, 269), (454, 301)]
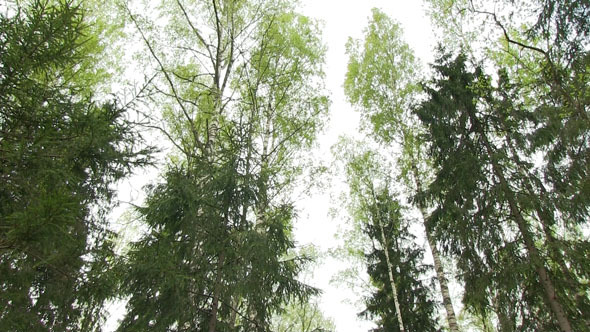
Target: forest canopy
[(466, 202)]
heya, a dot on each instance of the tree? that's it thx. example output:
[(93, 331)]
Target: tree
[(382, 82), (242, 98), (402, 300), (541, 47), (60, 154), (482, 188)]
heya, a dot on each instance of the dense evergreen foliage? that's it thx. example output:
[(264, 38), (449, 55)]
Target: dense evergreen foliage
[(402, 296), (60, 154), (501, 183), (382, 82), (416, 305), (500, 247)]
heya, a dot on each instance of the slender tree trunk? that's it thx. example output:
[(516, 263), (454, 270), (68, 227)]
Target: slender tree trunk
[(235, 305), (442, 281), (216, 294), (389, 267), (505, 324), (390, 271), (440, 273), (547, 219), (546, 282), (524, 228)]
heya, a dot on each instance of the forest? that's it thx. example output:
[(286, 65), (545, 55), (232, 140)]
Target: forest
[(466, 199)]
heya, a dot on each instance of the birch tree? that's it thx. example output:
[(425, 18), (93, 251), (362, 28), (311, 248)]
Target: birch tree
[(382, 82), (402, 300), (241, 93)]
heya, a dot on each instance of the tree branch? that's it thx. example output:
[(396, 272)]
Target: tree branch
[(166, 75)]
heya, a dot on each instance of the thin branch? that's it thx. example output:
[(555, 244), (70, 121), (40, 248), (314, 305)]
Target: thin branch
[(195, 30), (192, 79), (218, 50), (139, 93), (166, 74), (505, 32), (163, 131), (197, 52)]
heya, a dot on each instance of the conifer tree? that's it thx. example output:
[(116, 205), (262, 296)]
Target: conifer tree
[(541, 102), (60, 154), (478, 136), (402, 300)]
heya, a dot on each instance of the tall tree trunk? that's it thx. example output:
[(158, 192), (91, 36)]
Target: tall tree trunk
[(505, 324), (389, 267), (442, 281), (390, 271), (547, 219), (235, 306), (524, 229), (534, 255), (440, 273)]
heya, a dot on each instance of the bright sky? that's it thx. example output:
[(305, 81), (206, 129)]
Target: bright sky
[(343, 19)]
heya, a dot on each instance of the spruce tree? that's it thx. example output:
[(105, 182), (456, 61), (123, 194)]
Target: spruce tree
[(60, 155), (382, 83), (402, 299), (485, 190)]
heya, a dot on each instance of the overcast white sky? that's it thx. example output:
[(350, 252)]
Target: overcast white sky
[(343, 19)]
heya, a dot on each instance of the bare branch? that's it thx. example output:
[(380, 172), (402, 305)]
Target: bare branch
[(166, 75), (219, 33), (195, 30)]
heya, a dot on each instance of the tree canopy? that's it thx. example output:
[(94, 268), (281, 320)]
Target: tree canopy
[(242, 101), (465, 206)]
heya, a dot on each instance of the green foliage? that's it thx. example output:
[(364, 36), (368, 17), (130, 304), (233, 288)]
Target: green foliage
[(382, 82), (498, 163), (509, 196), (543, 46), (59, 155), (168, 268), (382, 76), (300, 316), (413, 289), (491, 204), (375, 209), (240, 103)]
